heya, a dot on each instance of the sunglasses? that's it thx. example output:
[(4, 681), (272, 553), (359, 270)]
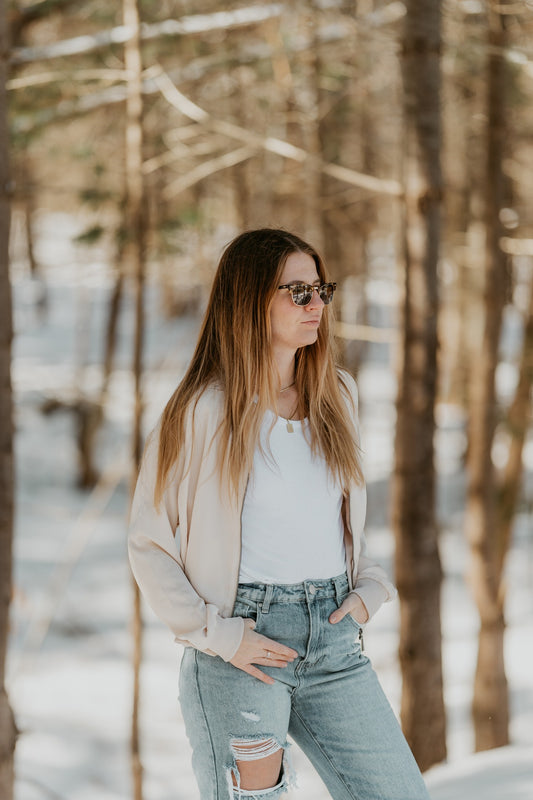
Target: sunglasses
[(302, 293)]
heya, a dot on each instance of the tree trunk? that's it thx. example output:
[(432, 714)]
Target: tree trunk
[(242, 174), (517, 422), (490, 705), (7, 722), (27, 195), (135, 259), (461, 299), (418, 568), (111, 330), (311, 131)]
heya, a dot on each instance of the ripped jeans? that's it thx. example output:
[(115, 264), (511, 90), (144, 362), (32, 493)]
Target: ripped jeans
[(329, 700)]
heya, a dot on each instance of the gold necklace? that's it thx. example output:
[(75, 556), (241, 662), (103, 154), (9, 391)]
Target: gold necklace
[(290, 426)]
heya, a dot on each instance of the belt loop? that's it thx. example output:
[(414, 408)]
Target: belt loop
[(267, 599), (338, 589)]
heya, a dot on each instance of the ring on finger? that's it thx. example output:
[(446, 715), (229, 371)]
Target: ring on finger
[(268, 654)]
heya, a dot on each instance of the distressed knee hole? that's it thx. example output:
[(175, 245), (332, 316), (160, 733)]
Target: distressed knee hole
[(258, 764), (253, 749)]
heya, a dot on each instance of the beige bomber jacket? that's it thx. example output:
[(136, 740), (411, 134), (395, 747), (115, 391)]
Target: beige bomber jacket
[(186, 556)]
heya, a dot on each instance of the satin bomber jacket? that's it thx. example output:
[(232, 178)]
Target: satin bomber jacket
[(185, 556)]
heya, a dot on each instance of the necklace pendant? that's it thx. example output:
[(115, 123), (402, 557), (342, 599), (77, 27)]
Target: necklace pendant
[(290, 428)]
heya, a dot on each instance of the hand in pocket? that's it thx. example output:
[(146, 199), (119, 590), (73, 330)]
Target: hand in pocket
[(351, 605)]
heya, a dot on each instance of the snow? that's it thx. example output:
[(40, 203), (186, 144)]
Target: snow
[(502, 774), (69, 675)]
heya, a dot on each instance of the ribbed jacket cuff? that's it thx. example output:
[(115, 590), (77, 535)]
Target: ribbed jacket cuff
[(373, 594), (224, 637)]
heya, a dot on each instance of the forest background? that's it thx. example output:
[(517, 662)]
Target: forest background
[(396, 137)]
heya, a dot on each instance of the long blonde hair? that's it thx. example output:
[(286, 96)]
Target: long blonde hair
[(233, 352)]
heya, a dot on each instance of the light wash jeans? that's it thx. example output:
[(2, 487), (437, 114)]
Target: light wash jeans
[(329, 700)]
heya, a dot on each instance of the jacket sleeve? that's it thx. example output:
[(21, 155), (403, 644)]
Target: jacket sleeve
[(370, 580), (154, 553), (372, 583)]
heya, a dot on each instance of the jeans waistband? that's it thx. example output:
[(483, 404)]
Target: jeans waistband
[(267, 593)]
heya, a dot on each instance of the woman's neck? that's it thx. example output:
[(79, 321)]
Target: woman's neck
[(286, 367)]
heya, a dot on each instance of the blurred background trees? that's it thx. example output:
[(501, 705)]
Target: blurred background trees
[(397, 138), (418, 567), (7, 725)]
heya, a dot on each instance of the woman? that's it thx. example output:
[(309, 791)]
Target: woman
[(246, 538)]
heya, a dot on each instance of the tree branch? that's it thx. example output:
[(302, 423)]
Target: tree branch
[(186, 26), (59, 75), (269, 143), (207, 168), (516, 247)]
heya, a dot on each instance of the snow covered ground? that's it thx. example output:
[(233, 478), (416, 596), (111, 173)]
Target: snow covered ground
[(69, 661), (503, 774)]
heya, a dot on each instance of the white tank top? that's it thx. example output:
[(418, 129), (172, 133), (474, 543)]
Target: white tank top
[(292, 527)]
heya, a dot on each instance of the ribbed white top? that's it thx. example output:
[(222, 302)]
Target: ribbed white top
[(292, 527)]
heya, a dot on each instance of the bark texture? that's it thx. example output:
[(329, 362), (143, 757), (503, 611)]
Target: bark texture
[(311, 129), (7, 723), (490, 705), (135, 261), (518, 421), (418, 568)]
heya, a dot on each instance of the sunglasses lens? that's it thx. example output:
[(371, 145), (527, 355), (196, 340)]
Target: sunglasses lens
[(301, 295), (326, 293)]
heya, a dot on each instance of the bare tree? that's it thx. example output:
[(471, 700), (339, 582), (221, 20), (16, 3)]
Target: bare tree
[(418, 568), (490, 706), (7, 722), (134, 254), (311, 129), (518, 420)]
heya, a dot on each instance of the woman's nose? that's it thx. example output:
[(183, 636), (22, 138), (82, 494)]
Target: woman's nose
[(316, 300)]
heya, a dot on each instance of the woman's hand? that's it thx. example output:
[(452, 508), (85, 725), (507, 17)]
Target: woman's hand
[(258, 649), (352, 605)]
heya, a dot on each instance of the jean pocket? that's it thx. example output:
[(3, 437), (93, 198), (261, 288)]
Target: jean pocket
[(357, 625)]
